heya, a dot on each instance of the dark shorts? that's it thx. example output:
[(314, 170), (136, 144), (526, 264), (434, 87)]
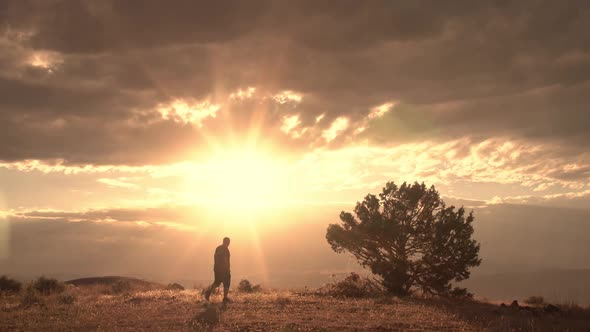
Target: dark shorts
[(222, 277)]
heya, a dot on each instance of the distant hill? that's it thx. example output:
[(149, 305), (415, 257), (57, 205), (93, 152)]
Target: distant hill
[(110, 280)]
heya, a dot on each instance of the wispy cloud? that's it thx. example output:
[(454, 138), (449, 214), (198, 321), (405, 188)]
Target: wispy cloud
[(194, 113), (121, 182), (288, 96), (537, 170), (335, 129)]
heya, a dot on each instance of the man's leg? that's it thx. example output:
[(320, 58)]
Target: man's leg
[(226, 283), (214, 285)]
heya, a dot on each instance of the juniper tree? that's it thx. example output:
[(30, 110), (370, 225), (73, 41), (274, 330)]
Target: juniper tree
[(410, 238)]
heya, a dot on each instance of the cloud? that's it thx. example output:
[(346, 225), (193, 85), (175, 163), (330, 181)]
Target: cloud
[(496, 167), (178, 217), (243, 94), (460, 161), (338, 126), (287, 96), (118, 183), (182, 111), (61, 166), (48, 61), (574, 199), (290, 123), (83, 83), (380, 110), (127, 99), (85, 27)]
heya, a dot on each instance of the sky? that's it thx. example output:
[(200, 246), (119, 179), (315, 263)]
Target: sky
[(134, 135)]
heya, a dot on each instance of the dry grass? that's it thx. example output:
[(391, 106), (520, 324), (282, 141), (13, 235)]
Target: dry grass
[(91, 309)]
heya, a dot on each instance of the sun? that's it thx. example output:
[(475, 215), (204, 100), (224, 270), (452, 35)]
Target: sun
[(240, 179)]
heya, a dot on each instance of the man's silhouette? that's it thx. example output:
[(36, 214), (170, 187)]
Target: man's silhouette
[(221, 269)]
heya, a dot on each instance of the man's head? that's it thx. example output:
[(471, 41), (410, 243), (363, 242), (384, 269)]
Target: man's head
[(226, 241)]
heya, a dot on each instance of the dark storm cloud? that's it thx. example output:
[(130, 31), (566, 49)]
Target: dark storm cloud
[(461, 68), (90, 26)]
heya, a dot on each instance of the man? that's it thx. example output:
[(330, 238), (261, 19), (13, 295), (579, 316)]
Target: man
[(221, 269)]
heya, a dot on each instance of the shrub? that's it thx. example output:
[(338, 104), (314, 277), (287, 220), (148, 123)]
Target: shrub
[(31, 296), (246, 286), (121, 286), (174, 286), (282, 300), (354, 286), (48, 286), (66, 298), (8, 285), (535, 300)]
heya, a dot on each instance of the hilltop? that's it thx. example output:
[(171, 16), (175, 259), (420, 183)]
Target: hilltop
[(91, 307), (111, 280)]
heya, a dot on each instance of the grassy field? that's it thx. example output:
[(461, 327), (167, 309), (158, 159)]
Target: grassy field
[(89, 308)]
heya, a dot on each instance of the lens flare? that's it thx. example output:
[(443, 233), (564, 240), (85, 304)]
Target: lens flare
[(4, 230)]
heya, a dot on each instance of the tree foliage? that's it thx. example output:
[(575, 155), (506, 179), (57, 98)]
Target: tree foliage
[(410, 238)]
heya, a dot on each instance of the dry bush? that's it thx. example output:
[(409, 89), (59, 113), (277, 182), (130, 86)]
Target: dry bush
[(66, 298), (535, 300), (282, 300), (31, 296), (121, 286), (353, 286), (47, 286), (245, 286), (9, 286), (175, 286)]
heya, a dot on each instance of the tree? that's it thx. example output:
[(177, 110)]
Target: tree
[(410, 238)]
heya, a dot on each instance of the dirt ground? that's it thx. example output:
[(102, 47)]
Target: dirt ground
[(268, 311)]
